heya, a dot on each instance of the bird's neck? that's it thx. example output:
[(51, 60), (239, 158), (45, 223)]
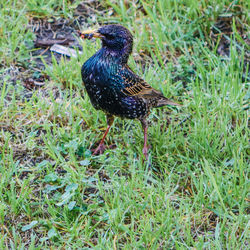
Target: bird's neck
[(105, 61), (114, 56)]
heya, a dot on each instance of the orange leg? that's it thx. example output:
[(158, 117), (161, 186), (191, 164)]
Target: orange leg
[(101, 148)]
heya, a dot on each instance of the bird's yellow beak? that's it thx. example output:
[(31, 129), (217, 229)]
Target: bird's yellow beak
[(88, 34)]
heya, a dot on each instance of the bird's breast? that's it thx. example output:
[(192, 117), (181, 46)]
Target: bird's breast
[(103, 84)]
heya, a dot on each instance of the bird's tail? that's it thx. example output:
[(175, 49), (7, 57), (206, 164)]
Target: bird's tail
[(165, 101)]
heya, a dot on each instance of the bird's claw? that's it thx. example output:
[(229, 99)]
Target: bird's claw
[(99, 150)]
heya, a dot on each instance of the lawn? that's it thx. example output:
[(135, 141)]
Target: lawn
[(192, 193)]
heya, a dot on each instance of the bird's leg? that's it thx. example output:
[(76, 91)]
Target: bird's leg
[(144, 124), (100, 149)]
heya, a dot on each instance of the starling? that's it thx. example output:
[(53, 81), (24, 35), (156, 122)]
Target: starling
[(113, 87)]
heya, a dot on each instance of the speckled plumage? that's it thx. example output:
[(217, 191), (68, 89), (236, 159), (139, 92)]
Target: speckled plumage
[(111, 85), (104, 83)]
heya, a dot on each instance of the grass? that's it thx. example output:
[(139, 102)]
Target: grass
[(195, 191)]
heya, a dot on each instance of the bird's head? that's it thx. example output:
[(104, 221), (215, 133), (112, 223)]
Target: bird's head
[(114, 37)]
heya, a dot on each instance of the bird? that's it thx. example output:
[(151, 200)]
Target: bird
[(113, 86)]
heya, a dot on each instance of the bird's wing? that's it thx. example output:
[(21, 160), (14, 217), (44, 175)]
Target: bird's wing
[(135, 86)]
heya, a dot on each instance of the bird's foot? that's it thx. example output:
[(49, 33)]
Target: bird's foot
[(99, 150)]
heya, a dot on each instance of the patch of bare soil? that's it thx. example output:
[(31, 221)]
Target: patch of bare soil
[(50, 32), (223, 32)]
